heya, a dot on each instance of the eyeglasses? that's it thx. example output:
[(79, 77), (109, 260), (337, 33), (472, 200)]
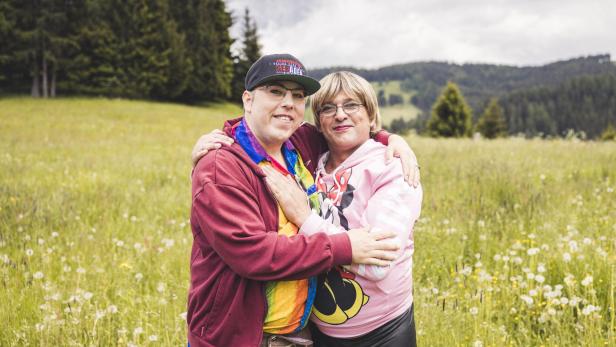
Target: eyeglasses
[(329, 110), (278, 92)]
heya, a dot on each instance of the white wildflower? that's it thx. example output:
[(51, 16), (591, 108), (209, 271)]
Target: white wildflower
[(87, 295), (138, 331), (473, 310), (566, 257), (138, 276), (153, 338), (539, 279), (527, 299), (532, 251), (38, 275), (160, 287), (541, 268), (587, 281), (112, 309), (29, 252)]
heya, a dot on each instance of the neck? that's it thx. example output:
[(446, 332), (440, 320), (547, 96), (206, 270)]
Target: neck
[(336, 158)]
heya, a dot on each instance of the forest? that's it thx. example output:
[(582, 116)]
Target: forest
[(180, 51)]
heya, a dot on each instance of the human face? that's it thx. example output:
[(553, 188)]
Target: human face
[(273, 112), (345, 132)]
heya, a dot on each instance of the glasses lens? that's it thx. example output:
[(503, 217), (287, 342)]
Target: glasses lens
[(328, 110), (351, 107)]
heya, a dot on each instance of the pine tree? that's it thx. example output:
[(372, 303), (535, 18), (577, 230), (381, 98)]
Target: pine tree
[(249, 53), (492, 123), (205, 25), (451, 116)]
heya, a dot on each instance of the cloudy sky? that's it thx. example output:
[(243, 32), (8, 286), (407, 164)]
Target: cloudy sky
[(370, 33)]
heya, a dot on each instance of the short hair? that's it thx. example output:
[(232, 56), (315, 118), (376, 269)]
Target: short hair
[(354, 86)]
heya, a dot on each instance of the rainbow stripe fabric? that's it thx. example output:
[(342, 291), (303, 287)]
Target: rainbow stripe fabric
[(289, 303)]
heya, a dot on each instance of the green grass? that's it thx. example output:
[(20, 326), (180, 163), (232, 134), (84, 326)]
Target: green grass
[(95, 240)]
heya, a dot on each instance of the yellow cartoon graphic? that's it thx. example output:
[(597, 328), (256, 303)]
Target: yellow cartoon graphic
[(339, 297)]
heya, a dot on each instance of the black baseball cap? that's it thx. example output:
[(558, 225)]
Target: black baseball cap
[(280, 67)]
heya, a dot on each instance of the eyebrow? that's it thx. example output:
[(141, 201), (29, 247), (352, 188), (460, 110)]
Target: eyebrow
[(283, 86)]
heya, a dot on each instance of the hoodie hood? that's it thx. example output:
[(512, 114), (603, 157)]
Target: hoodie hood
[(367, 151)]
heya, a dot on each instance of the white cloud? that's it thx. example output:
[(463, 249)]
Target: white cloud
[(366, 33)]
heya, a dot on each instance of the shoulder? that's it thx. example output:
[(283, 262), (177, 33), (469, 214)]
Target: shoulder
[(224, 166)]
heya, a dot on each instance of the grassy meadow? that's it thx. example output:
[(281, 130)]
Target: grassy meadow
[(516, 245)]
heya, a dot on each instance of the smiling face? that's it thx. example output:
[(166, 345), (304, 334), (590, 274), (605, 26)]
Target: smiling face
[(345, 132), (273, 112)]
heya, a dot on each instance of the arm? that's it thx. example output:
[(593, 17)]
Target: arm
[(238, 234), (314, 143), (383, 211), (228, 220)]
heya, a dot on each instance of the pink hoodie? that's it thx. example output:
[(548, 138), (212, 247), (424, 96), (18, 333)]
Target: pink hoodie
[(364, 191)]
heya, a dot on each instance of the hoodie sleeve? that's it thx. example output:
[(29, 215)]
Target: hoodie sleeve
[(229, 220), (393, 206)]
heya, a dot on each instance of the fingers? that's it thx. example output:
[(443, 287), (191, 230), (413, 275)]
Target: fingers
[(222, 138), (377, 262), (383, 235), (416, 177), (389, 154)]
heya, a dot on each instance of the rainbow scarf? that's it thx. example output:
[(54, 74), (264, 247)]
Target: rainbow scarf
[(289, 303)]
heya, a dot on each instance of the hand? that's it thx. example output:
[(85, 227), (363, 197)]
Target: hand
[(410, 168), (207, 142), (290, 196), (373, 248)]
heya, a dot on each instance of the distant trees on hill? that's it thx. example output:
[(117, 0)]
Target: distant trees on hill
[(583, 104), (153, 49), (547, 100)]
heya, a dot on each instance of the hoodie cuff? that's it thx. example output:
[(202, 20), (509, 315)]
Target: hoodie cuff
[(382, 136), (341, 249), (311, 225)]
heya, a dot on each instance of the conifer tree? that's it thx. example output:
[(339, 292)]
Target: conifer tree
[(492, 123), (249, 53), (451, 116)]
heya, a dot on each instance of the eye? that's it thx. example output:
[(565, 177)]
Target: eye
[(299, 95), (328, 109), (276, 91), (350, 105)]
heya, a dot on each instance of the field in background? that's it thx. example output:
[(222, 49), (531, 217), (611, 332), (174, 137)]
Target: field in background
[(406, 110), (516, 245)]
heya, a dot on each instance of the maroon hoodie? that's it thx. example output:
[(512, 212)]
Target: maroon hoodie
[(236, 247)]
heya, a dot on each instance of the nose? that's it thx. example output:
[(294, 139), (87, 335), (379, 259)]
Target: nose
[(287, 100), (340, 114)]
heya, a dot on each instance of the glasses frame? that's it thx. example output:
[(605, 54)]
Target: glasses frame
[(296, 100), (355, 103)]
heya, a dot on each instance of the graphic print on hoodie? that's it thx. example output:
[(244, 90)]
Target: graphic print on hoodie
[(339, 297)]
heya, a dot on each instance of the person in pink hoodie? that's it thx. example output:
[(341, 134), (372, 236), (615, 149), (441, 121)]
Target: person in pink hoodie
[(356, 305)]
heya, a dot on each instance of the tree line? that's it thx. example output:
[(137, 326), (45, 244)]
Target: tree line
[(152, 49), (551, 100), (584, 107)]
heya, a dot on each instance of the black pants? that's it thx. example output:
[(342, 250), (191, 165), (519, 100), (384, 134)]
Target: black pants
[(399, 332)]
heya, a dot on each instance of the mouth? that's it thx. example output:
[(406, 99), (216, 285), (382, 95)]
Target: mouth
[(284, 117), (342, 128)]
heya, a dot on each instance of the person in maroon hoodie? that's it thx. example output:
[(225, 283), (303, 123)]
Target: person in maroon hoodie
[(251, 273)]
